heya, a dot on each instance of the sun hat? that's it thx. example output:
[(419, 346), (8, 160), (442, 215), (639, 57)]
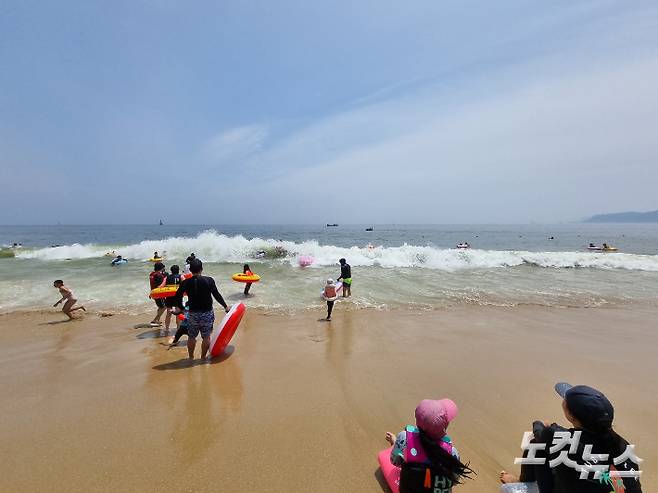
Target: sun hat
[(330, 281), (588, 405), (434, 416)]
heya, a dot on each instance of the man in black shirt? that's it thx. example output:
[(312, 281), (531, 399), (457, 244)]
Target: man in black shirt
[(346, 276), (200, 292)]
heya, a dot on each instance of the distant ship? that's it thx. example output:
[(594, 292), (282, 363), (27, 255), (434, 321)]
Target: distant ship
[(331, 225), (161, 223), (369, 229)]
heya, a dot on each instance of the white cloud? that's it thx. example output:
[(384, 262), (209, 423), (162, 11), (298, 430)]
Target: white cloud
[(235, 144), (546, 149)]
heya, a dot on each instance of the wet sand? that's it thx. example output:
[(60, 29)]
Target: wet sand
[(300, 404)]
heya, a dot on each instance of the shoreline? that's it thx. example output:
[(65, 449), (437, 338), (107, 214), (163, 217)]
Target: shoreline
[(301, 404)]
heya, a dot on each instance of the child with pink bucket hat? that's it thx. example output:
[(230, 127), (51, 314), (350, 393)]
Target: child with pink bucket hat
[(423, 457)]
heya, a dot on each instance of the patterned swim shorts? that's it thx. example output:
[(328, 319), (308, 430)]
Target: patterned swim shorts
[(200, 322)]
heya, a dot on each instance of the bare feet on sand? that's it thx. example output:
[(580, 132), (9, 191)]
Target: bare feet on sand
[(506, 477)]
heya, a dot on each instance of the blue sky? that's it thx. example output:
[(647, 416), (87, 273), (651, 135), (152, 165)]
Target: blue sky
[(302, 112)]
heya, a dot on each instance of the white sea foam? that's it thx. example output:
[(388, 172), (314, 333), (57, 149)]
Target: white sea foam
[(213, 247)]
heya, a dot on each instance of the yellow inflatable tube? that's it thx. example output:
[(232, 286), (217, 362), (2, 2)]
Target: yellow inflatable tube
[(240, 277), (164, 292)]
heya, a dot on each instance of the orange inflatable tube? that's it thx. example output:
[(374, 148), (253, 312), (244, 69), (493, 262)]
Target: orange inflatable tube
[(239, 277), (164, 292)]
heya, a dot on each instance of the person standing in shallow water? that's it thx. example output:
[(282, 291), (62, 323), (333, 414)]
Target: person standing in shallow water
[(69, 299), (200, 292), (156, 279), (247, 272), (329, 295), (346, 276)]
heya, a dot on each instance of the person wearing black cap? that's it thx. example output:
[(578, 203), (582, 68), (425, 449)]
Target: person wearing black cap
[(590, 413)]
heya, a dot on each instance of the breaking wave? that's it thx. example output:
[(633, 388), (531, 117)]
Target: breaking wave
[(211, 246)]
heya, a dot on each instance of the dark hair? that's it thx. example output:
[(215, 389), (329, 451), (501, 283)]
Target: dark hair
[(442, 462), (196, 266), (58, 281), (342, 261), (245, 268), (175, 269), (158, 266)]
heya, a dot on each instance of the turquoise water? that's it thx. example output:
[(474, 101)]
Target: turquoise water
[(393, 266)]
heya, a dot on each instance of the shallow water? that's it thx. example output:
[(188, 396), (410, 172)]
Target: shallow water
[(393, 266)]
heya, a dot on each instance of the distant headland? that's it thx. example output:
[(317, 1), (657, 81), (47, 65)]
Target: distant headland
[(625, 217)]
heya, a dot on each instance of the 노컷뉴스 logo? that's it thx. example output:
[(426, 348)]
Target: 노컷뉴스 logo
[(597, 465)]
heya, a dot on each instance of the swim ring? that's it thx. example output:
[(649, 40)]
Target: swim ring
[(226, 329), (240, 277), (164, 292), (305, 260), (119, 262), (390, 472), (159, 259)]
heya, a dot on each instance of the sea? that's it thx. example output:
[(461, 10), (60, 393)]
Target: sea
[(393, 266)]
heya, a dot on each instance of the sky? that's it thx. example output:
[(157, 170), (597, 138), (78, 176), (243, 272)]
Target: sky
[(369, 112)]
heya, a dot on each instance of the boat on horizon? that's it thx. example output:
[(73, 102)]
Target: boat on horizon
[(332, 225)]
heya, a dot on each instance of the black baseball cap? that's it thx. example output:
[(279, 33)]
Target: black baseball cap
[(590, 406)]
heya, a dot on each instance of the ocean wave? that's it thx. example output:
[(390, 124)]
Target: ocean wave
[(211, 246)]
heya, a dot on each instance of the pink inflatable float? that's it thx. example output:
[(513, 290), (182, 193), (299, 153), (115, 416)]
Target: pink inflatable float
[(305, 260), (390, 472), (226, 329)]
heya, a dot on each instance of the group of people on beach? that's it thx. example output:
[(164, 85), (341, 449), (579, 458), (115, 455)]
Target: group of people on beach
[(588, 456), (197, 312), (196, 316)]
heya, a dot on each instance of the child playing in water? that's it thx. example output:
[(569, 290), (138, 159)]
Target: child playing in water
[(425, 452), (247, 272), (172, 279), (329, 295), (182, 330), (70, 298)]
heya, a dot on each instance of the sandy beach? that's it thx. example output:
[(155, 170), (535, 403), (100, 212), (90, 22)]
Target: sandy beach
[(300, 404)]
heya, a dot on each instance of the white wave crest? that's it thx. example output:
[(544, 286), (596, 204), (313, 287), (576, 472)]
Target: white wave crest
[(211, 246)]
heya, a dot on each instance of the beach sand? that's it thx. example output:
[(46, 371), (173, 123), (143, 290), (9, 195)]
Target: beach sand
[(300, 404)]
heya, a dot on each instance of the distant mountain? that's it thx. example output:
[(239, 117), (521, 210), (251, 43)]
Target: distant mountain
[(625, 217)]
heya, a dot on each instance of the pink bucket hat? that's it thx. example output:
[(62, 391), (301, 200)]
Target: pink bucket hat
[(433, 417)]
